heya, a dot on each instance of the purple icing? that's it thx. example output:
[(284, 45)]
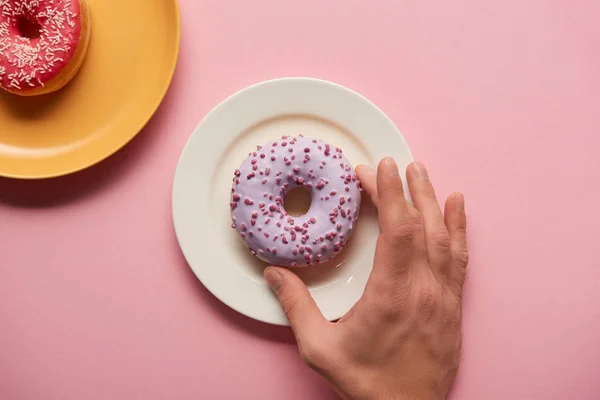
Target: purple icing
[(258, 194)]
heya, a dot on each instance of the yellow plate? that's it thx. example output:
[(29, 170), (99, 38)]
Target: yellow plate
[(130, 62)]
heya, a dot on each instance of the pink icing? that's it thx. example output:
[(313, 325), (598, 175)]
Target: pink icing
[(25, 63), (258, 193)]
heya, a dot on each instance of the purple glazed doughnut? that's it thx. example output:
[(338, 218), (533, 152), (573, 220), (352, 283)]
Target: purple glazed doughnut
[(258, 194)]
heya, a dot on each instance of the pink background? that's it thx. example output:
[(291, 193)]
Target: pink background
[(500, 99)]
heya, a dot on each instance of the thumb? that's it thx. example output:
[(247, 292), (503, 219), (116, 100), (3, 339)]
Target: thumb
[(297, 303)]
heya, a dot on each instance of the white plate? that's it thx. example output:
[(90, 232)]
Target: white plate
[(218, 146)]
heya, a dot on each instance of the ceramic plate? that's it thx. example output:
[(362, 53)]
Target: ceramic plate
[(218, 146), (131, 59)]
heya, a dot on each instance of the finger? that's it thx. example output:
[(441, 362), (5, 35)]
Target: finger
[(297, 303), (456, 222), (393, 208), (401, 241), (368, 181), (436, 235)]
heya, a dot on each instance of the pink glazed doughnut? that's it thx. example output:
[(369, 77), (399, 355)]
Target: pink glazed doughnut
[(42, 44), (258, 194)]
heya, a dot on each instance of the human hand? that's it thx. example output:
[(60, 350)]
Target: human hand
[(402, 339)]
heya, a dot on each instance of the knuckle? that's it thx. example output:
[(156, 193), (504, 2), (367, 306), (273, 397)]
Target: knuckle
[(415, 218), (427, 191), (462, 257), (441, 240), (289, 304), (391, 191), (403, 233)]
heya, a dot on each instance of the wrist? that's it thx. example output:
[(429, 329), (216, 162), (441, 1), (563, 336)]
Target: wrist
[(395, 395), (403, 392)]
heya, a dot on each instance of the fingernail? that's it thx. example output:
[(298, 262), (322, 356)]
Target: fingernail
[(420, 170), (274, 279), (459, 202), (390, 167)]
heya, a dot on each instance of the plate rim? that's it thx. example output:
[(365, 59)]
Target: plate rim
[(215, 110), (143, 121)]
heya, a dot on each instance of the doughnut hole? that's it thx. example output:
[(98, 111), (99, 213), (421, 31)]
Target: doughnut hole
[(297, 201), (28, 29)]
